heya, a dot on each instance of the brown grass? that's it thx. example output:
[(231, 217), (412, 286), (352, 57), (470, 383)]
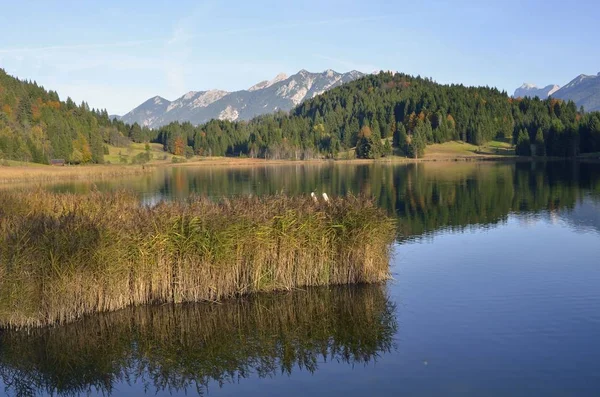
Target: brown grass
[(41, 173), (63, 256)]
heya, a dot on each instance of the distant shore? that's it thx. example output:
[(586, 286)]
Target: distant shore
[(17, 172), (44, 173)]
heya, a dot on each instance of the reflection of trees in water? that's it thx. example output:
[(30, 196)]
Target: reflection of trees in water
[(486, 194), (181, 347), (426, 197)]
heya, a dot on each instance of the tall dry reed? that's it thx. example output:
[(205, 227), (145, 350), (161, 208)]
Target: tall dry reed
[(65, 255), (40, 173)]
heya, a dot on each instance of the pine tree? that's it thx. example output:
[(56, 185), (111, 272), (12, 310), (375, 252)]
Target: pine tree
[(387, 148), (399, 140), (523, 147), (135, 133), (540, 145), (417, 141)]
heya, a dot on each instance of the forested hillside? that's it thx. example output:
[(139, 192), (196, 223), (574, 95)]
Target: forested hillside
[(367, 114), (36, 126), (413, 110)]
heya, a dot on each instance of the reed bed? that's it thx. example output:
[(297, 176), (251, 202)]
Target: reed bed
[(44, 173), (63, 255)]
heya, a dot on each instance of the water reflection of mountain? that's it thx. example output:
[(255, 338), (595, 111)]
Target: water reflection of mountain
[(175, 348), (425, 197)]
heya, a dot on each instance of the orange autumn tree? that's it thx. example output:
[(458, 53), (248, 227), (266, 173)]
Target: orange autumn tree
[(7, 109), (365, 132), (36, 109), (411, 122), (179, 147)]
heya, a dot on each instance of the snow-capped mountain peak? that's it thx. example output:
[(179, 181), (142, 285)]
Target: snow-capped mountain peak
[(195, 99), (206, 98), (268, 83), (283, 92), (554, 88), (532, 90), (189, 95), (578, 80), (278, 78), (528, 86), (584, 90)]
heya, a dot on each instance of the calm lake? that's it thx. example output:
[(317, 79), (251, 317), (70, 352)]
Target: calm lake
[(496, 292)]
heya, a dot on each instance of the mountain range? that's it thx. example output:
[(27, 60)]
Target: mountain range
[(285, 92), (281, 93), (584, 90)]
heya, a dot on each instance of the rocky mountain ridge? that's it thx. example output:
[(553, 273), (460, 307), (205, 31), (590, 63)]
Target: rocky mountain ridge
[(280, 93), (584, 90)]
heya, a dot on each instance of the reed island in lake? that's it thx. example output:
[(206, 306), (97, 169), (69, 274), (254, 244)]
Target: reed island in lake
[(66, 255)]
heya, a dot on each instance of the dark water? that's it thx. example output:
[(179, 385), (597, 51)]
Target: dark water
[(496, 292)]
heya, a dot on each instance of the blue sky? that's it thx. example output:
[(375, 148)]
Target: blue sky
[(116, 55)]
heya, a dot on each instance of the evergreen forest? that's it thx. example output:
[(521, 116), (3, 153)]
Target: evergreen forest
[(374, 116)]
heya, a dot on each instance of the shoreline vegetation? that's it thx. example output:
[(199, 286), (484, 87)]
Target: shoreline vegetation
[(63, 256), (16, 172), (27, 172), (13, 172)]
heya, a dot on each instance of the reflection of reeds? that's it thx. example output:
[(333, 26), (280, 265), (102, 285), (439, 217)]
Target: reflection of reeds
[(178, 347), (63, 256)]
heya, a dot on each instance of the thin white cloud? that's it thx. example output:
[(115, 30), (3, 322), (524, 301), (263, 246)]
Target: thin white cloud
[(180, 35), (101, 72), (70, 47), (120, 63), (175, 54)]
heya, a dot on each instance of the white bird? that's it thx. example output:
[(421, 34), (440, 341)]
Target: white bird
[(325, 197), (314, 196)]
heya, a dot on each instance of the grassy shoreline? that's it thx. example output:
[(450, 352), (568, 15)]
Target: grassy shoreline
[(40, 173), (44, 173), (64, 255), (446, 152)]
